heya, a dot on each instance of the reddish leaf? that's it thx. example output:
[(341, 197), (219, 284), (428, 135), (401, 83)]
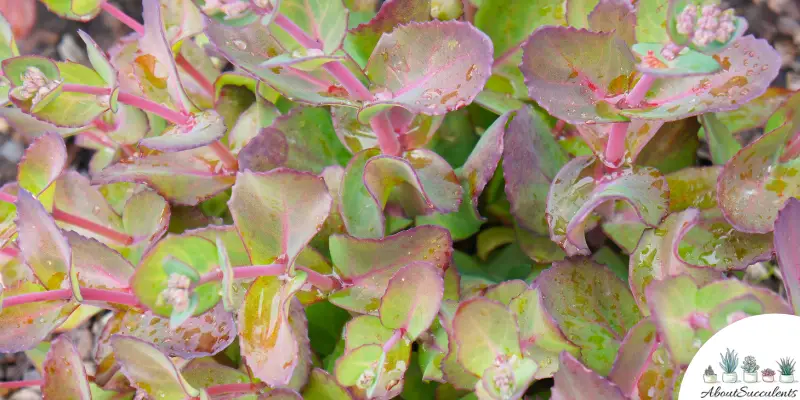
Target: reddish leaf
[(64, 374)]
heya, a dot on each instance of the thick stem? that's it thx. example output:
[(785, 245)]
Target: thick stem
[(232, 388), (636, 95), (133, 100), (323, 282), (21, 384), (615, 148), (230, 162), (349, 81), (201, 79), (398, 333), (92, 226), (89, 294), (122, 17), (387, 139)]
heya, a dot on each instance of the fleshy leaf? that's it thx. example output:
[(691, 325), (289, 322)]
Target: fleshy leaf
[(96, 265), (592, 307), (367, 265), (687, 62), (361, 40), (614, 16), (575, 194), (64, 374), (762, 174), (702, 311), (206, 127), (480, 166), (362, 216), (179, 177), (75, 195), (638, 134), (149, 370), (485, 331), (755, 113), (286, 143), (508, 23), (23, 326), (79, 10), (571, 73), (643, 365), (786, 239), (154, 43), (574, 381), (203, 373), (98, 59), (278, 212), (42, 163), (721, 142), (322, 386), (324, 21), (281, 394), (442, 73), (412, 299), (749, 65), (651, 21), (268, 342), (42, 245)]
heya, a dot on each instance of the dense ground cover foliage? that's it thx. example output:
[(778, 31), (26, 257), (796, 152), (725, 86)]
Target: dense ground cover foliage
[(309, 199)]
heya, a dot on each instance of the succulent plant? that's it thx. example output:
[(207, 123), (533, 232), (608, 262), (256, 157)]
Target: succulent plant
[(749, 365), (730, 361)]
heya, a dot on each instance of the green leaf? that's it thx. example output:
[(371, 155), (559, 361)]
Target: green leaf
[(64, 374), (721, 142), (651, 21), (149, 370), (42, 245), (688, 62), (485, 331), (99, 60), (574, 381), (643, 364), (203, 373), (323, 386), (278, 212), (325, 324), (79, 10), (753, 114), (324, 21), (508, 23), (673, 148), (43, 162), (8, 46), (357, 365), (591, 306), (578, 12), (362, 216), (412, 299), (206, 128)]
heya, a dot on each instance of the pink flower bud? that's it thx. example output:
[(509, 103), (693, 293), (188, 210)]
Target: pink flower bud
[(687, 19)]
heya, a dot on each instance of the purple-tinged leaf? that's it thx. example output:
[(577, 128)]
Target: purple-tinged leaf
[(24, 326), (643, 366), (75, 195), (96, 265), (703, 310), (577, 12), (367, 265), (485, 331), (412, 299), (575, 193), (362, 216), (278, 212), (656, 256), (755, 113), (286, 143), (180, 177), (42, 163), (758, 180), (748, 67), (30, 127), (206, 127), (509, 23), (441, 73), (154, 43), (574, 381), (485, 157), (424, 180), (205, 372), (361, 40), (42, 245), (322, 386), (146, 216), (149, 370), (268, 342), (356, 136), (506, 291), (638, 134), (593, 308), (249, 46), (614, 16), (572, 73), (64, 374), (787, 237), (531, 159), (249, 123)]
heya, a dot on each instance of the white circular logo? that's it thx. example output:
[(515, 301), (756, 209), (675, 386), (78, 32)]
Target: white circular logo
[(755, 358)]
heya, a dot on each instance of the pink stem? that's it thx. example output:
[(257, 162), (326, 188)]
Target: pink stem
[(21, 384), (792, 149), (323, 282), (636, 95), (10, 251), (398, 333), (133, 100), (7, 197), (387, 139), (296, 32), (230, 162), (615, 148), (122, 17), (201, 79), (92, 226), (349, 80), (232, 388), (89, 294)]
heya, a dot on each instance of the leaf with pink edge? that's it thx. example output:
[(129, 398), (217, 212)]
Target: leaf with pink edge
[(687, 62), (322, 386), (23, 326), (721, 142), (99, 61), (43, 162), (412, 299), (78, 10), (656, 256), (486, 331), (420, 128), (508, 23), (367, 265), (96, 265), (589, 69), (715, 45), (64, 373), (269, 343), (278, 212), (145, 217), (249, 46), (149, 370), (361, 40), (16, 69), (762, 174), (614, 16), (755, 113), (204, 373), (31, 128), (748, 68), (286, 143), (591, 306), (643, 365), (638, 134), (578, 11), (42, 245), (324, 21), (75, 195), (434, 76), (280, 394), (688, 314), (206, 127), (180, 177), (574, 381), (154, 43), (575, 194), (786, 239), (420, 182), (485, 156), (362, 216)]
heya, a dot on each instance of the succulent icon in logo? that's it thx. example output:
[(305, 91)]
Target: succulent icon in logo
[(709, 376), (729, 362), (768, 375), (750, 368), (786, 367)]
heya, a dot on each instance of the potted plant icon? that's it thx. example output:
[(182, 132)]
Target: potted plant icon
[(730, 360), (709, 376), (750, 369), (786, 367), (768, 375)]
